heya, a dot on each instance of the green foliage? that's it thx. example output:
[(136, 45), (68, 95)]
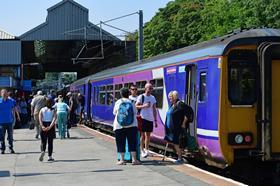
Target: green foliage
[(185, 22)]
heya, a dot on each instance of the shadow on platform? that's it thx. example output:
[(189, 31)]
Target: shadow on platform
[(58, 173), (5, 174), (67, 161)]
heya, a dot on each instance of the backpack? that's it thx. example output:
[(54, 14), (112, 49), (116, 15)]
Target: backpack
[(125, 114), (189, 113)]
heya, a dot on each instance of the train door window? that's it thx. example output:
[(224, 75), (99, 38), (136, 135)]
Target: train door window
[(141, 86), (117, 91), (158, 91), (110, 94), (102, 95), (242, 77), (202, 87)]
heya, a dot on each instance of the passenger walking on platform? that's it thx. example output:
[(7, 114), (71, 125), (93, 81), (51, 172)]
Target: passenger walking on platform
[(81, 99), (147, 103), (62, 110), (7, 111), (23, 111), (47, 119), (176, 121), (37, 104), (125, 126), (73, 106)]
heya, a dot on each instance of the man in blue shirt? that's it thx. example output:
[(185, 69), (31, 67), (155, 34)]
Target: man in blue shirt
[(7, 109)]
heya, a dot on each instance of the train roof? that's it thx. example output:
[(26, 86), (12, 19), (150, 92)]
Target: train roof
[(214, 47)]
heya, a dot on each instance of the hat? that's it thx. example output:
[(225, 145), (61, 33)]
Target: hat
[(39, 92), (69, 94)]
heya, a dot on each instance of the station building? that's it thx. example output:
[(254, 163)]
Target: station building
[(66, 42)]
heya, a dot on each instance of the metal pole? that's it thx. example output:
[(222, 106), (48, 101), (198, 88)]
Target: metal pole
[(140, 36)]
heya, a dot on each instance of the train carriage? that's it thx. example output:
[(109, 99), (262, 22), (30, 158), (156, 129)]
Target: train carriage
[(231, 82)]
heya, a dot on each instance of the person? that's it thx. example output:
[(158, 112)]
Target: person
[(81, 99), (148, 114), (37, 104), (16, 113), (47, 119), (7, 112), (125, 126), (73, 106), (133, 93), (23, 111), (62, 110), (176, 121)]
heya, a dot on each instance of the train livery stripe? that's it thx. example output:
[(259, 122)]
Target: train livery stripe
[(209, 133)]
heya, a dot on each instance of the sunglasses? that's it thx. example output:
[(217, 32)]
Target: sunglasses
[(133, 89)]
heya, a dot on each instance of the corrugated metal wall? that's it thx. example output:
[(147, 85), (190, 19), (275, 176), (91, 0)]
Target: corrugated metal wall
[(66, 21), (10, 52)]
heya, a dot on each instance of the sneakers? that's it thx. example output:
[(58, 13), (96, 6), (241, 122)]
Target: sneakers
[(50, 158), (37, 136), (144, 154), (179, 161), (2, 152), (42, 156)]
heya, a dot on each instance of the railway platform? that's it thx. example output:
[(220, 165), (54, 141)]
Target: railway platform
[(89, 158)]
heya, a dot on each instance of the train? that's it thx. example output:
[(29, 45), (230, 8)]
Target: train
[(231, 82)]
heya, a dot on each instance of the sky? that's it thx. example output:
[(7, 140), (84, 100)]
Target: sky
[(20, 16)]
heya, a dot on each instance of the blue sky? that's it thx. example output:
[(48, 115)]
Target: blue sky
[(19, 16)]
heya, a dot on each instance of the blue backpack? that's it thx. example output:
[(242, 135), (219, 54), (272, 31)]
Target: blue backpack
[(125, 114)]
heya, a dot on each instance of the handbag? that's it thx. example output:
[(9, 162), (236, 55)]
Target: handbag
[(31, 125), (140, 121)]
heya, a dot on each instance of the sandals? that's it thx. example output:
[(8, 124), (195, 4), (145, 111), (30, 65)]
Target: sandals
[(121, 163), (136, 163)]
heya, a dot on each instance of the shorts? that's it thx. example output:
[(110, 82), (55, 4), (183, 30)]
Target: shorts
[(129, 134), (147, 126)]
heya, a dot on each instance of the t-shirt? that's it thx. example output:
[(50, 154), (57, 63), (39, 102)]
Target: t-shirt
[(47, 114), (61, 107), (38, 103), (6, 111), (116, 125), (133, 99), (147, 113)]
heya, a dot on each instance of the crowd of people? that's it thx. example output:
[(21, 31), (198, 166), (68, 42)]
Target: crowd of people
[(44, 112), (133, 114)]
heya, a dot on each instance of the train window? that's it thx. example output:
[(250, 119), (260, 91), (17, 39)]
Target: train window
[(102, 95), (110, 95), (117, 91), (202, 87), (128, 85), (141, 86), (242, 77), (158, 92)]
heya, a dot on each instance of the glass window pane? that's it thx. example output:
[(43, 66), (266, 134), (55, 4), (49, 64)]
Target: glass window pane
[(202, 87), (242, 78)]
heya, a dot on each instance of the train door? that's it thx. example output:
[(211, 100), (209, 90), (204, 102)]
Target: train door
[(269, 58), (191, 100), (89, 100)]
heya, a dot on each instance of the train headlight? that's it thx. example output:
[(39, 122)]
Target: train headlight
[(238, 139)]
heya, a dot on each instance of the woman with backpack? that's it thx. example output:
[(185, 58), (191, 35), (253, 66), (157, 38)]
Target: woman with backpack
[(125, 126), (47, 119), (177, 118)]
